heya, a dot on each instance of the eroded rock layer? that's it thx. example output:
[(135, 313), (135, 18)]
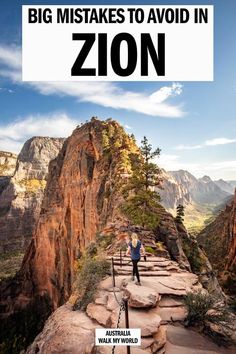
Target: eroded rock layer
[(219, 241), (21, 199), (81, 198)]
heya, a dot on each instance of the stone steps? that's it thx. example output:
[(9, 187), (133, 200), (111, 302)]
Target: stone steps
[(116, 257), (149, 266), (147, 273), (157, 308), (152, 267)]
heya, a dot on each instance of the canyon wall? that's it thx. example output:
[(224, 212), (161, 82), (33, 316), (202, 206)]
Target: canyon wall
[(82, 196), (219, 242), (20, 200)]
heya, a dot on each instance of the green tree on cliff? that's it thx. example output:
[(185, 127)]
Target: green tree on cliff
[(179, 214), (141, 198)]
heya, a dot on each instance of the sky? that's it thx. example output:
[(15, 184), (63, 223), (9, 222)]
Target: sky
[(192, 122)]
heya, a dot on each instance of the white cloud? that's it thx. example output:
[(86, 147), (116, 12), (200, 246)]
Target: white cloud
[(10, 145), (171, 163), (166, 92), (188, 147), (219, 141), (106, 94), (128, 127), (13, 135), (224, 165), (3, 89), (212, 142), (10, 56), (216, 170), (166, 159)]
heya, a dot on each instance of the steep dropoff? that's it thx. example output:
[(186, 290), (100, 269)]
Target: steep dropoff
[(184, 249), (167, 232), (21, 199), (202, 198), (81, 198), (219, 242)]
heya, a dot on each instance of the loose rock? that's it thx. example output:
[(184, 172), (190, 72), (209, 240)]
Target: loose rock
[(141, 296)]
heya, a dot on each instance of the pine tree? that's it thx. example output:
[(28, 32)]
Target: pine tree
[(133, 137), (141, 198), (180, 214)]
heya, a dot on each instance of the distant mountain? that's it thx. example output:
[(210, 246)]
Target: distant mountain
[(232, 183), (227, 186), (201, 197), (182, 187), (175, 190)]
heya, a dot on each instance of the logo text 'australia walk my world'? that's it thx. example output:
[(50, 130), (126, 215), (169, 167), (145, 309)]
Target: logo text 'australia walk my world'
[(113, 43)]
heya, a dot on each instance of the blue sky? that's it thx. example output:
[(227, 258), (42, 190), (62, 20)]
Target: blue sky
[(202, 140)]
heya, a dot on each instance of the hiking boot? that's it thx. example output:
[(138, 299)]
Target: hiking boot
[(138, 283)]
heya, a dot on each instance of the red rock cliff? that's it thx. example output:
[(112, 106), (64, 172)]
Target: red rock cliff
[(81, 197), (231, 262), (219, 241), (73, 210)]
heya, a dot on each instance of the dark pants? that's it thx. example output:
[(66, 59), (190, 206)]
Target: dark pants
[(135, 268)]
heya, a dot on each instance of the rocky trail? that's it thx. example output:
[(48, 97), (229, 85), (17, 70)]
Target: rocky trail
[(154, 266), (81, 202), (156, 307)]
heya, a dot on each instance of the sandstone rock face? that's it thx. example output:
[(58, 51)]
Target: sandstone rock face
[(70, 333), (168, 233), (174, 192), (148, 320), (7, 168), (76, 329), (79, 200), (98, 313), (182, 187), (74, 208), (219, 242), (158, 335), (201, 197), (20, 201), (141, 297), (185, 341), (159, 339), (199, 262), (168, 315)]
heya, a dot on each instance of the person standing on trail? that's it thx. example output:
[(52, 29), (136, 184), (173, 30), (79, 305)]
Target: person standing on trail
[(135, 248)]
